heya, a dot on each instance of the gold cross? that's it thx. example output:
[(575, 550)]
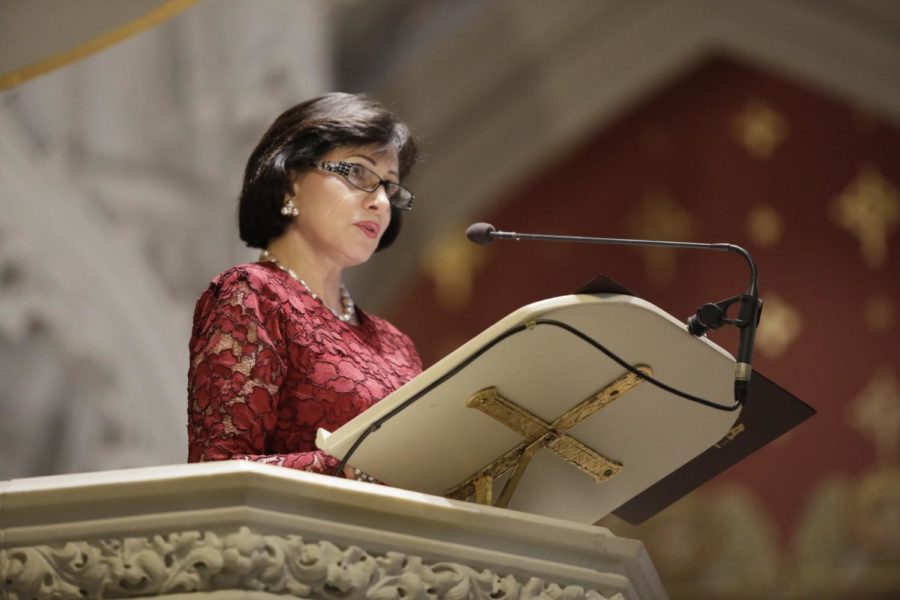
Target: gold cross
[(539, 434)]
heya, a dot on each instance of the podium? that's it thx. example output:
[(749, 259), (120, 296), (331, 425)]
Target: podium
[(237, 529), (550, 411)]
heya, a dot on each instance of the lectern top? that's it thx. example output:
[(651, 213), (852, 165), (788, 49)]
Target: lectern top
[(550, 400)]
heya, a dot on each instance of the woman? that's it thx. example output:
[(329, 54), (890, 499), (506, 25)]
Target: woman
[(278, 347)]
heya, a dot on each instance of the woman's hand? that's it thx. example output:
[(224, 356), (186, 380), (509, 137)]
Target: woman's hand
[(357, 475)]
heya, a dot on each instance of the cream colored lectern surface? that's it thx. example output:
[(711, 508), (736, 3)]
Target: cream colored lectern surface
[(595, 438)]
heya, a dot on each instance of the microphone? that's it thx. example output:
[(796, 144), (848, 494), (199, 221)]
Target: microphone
[(749, 303), (480, 233)]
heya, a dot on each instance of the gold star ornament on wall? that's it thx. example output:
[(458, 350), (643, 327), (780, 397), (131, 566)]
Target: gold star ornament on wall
[(451, 262), (875, 413), (759, 128), (779, 328), (660, 217), (869, 208), (765, 226), (879, 314)]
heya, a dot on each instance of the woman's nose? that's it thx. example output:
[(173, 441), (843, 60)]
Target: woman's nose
[(378, 199)]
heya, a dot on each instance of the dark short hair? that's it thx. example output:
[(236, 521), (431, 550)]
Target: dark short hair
[(303, 134)]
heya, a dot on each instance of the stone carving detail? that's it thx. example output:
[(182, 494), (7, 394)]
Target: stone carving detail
[(194, 561)]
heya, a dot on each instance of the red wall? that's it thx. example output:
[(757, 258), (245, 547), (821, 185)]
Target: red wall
[(681, 144)]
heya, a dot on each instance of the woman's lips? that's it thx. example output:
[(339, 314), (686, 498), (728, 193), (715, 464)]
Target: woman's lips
[(370, 228)]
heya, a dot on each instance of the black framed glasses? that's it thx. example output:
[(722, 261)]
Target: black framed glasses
[(368, 181)]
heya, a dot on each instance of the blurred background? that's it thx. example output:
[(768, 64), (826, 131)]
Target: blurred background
[(771, 124)]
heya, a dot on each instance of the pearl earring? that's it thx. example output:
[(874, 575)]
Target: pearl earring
[(290, 209)]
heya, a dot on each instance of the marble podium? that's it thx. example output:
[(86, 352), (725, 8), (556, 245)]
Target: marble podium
[(238, 529)]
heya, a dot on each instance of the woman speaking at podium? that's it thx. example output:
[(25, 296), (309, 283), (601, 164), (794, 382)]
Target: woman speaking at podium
[(278, 347)]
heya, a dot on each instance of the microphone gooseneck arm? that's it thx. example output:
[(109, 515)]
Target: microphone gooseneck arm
[(483, 233), (750, 306)]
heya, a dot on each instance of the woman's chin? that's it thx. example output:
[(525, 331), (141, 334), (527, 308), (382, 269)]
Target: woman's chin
[(357, 258)]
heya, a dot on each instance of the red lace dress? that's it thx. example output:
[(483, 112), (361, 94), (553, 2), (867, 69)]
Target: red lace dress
[(270, 364)]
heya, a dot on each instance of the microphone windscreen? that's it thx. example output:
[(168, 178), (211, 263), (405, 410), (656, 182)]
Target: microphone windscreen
[(480, 233)]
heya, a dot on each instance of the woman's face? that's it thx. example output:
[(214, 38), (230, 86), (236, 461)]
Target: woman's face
[(340, 223)]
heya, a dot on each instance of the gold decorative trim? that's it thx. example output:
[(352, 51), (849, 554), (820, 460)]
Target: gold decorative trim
[(484, 488), (156, 16), (732, 433)]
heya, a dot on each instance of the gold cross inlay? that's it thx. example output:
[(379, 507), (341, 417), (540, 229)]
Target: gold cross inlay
[(539, 434)]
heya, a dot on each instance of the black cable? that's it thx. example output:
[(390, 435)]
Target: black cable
[(652, 380), (510, 332), (381, 421)]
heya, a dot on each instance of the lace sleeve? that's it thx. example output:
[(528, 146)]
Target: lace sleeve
[(415, 360), (237, 367)]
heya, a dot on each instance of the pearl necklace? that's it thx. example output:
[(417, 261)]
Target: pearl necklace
[(346, 301)]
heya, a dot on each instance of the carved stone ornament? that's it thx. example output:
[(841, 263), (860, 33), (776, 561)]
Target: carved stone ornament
[(194, 561)]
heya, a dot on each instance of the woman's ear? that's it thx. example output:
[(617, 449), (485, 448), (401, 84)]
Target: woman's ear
[(295, 183)]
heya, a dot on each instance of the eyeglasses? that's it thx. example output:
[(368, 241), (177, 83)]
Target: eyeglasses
[(368, 181)]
